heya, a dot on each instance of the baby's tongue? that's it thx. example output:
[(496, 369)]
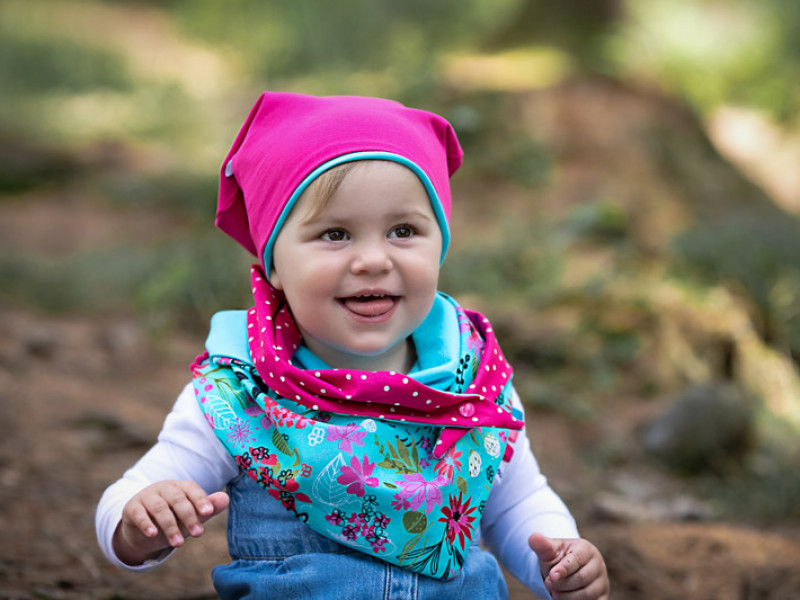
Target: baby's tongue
[(369, 306)]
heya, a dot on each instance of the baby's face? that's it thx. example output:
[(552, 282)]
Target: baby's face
[(362, 274)]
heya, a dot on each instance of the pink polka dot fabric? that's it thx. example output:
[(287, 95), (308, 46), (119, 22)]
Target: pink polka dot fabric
[(274, 337)]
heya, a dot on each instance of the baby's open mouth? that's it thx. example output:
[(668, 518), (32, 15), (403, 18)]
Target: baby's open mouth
[(369, 305)]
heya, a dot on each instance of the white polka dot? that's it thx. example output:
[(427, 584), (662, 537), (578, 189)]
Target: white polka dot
[(348, 376), (363, 377), (317, 374), (297, 397), (428, 401), (386, 388), (322, 391), (303, 384), (474, 419), (392, 373), (315, 407), (415, 394), (405, 379)]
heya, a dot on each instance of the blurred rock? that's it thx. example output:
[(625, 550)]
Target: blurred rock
[(708, 426)]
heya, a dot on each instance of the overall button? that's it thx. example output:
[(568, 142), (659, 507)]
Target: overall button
[(466, 410)]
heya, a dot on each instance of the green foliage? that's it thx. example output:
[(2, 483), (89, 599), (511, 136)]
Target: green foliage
[(712, 53), (291, 39), (523, 262), (38, 65), (183, 280), (758, 251)]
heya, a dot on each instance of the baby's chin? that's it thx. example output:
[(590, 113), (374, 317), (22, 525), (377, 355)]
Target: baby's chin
[(366, 357)]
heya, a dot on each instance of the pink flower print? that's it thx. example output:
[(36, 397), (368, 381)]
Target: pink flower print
[(449, 464), (287, 493), (458, 519), (474, 341), (356, 476), (416, 490), (347, 436), (241, 434), (253, 411), (336, 517)]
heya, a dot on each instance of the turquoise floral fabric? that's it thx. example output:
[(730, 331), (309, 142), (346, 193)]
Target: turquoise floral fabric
[(372, 484)]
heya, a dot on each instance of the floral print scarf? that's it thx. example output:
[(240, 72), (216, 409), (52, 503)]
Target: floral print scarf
[(374, 460)]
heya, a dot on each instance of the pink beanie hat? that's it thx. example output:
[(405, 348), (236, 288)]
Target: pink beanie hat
[(289, 139)]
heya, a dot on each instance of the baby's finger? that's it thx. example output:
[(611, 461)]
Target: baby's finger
[(568, 566), (163, 511), (137, 517), (198, 497), (596, 589)]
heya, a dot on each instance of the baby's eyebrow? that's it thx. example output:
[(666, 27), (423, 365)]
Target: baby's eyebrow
[(402, 215)]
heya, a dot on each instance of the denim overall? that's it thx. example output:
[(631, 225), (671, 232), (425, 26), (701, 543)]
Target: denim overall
[(274, 555)]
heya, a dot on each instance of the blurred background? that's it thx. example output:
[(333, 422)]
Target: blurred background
[(627, 215)]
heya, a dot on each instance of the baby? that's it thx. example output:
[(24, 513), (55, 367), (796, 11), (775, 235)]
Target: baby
[(363, 423)]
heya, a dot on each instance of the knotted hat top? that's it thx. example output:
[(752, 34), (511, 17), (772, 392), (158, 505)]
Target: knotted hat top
[(289, 139)]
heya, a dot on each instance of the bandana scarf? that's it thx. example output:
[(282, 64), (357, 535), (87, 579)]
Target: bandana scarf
[(373, 460)]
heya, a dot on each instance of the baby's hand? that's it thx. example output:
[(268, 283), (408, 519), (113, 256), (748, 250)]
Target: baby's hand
[(573, 568), (161, 516)]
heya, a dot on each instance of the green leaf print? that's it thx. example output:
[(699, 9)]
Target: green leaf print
[(401, 459), (415, 521), (280, 443)]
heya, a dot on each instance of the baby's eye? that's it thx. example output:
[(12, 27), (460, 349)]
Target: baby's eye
[(334, 235), (402, 231)]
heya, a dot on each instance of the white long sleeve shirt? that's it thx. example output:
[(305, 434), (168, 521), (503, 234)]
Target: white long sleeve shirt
[(521, 501)]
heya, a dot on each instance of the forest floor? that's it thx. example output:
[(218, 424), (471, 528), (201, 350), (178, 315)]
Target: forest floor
[(84, 397)]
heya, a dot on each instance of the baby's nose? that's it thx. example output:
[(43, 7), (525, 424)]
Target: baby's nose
[(371, 257)]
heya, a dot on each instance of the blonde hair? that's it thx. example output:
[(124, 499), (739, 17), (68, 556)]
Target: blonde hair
[(322, 189)]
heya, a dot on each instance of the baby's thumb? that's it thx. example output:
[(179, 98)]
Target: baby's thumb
[(220, 501), (547, 549)]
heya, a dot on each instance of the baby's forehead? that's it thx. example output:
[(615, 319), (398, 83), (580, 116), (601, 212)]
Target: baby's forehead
[(366, 179)]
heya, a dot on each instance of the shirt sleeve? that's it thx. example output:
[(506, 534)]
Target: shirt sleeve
[(187, 449), (522, 503)]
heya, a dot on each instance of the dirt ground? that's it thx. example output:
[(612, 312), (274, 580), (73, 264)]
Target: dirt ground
[(83, 398)]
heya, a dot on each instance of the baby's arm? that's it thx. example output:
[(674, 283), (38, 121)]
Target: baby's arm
[(521, 504), (187, 450)]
